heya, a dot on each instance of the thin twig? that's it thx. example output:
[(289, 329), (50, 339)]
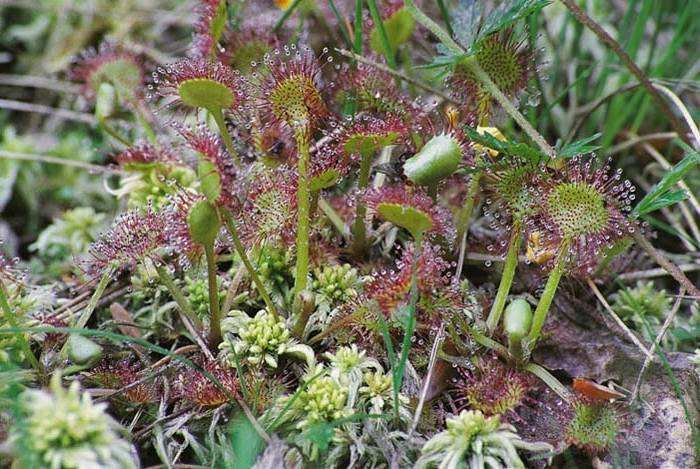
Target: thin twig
[(658, 272), (48, 110), (617, 319), (669, 266), (608, 40), (589, 108), (636, 139), (682, 109), (431, 365), (30, 81), (397, 74), (195, 335), (93, 168), (657, 341)]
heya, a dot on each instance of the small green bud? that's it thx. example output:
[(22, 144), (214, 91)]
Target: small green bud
[(203, 223), (517, 319), (438, 159), (83, 351)]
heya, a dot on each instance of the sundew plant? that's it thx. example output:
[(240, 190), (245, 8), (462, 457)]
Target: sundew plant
[(349, 233)]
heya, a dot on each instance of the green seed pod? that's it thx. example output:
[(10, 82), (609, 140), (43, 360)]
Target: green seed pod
[(203, 223), (517, 319), (438, 159), (105, 101), (83, 351)]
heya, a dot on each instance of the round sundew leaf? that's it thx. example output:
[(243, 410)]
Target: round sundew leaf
[(209, 180), (578, 209), (367, 144), (501, 61), (415, 221), (125, 75), (324, 180), (438, 159), (203, 223), (206, 93), (296, 100)]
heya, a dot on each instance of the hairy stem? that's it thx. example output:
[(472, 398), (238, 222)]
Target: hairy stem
[(12, 320), (231, 226), (214, 312), (508, 106), (218, 116), (179, 297), (481, 75), (509, 267), (545, 302), (303, 206)]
